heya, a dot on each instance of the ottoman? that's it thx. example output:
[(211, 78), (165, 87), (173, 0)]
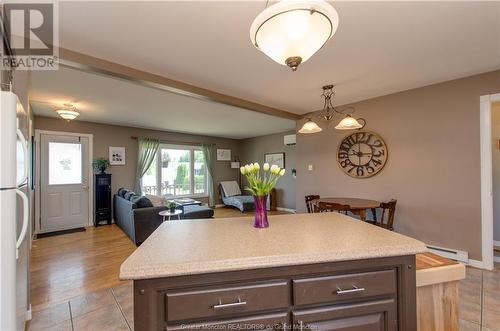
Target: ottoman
[(196, 212)]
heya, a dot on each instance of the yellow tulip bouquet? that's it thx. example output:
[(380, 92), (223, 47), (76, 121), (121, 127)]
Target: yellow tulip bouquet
[(260, 184)]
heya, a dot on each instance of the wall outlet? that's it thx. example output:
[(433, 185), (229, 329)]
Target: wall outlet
[(310, 167)]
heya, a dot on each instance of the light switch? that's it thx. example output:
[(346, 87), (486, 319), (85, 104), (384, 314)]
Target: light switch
[(310, 167)]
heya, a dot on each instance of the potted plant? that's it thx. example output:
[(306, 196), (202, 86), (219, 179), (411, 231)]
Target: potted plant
[(260, 184), (100, 164), (171, 206)]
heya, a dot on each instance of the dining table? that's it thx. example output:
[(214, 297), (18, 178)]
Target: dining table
[(357, 206)]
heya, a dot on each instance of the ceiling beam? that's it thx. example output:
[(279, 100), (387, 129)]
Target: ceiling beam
[(89, 63)]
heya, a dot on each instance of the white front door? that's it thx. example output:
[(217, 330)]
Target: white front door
[(64, 182)]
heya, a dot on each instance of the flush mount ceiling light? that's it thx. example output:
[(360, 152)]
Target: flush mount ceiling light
[(67, 112), (291, 31), (347, 123)]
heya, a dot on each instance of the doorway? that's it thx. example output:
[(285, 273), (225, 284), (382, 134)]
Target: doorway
[(495, 129), (487, 206), (64, 190)]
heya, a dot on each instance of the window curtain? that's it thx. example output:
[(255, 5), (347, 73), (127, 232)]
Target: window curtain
[(146, 153), (208, 155)]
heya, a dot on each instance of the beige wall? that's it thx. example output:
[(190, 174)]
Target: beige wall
[(432, 135), (112, 135), (253, 150)]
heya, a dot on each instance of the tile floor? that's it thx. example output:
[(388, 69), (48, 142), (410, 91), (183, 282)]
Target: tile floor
[(480, 300), (112, 309)]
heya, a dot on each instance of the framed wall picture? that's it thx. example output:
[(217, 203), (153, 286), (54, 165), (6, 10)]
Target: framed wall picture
[(223, 154), (117, 155), (275, 158)]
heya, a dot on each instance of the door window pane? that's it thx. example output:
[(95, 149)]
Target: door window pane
[(65, 163), (200, 171), (149, 185), (175, 168)]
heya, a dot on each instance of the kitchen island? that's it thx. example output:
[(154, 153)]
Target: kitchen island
[(309, 271)]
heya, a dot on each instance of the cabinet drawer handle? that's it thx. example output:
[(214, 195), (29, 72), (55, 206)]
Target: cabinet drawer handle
[(230, 305), (354, 289)]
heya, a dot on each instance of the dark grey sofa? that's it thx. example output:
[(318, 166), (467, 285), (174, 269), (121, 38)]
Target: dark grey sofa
[(137, 223)]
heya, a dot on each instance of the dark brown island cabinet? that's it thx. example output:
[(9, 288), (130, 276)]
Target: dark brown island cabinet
[(362, 294), (365, 295)]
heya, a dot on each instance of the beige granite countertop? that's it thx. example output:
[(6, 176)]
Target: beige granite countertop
[(203, 246)]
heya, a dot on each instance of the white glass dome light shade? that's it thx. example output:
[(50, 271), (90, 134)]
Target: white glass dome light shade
[(310, 127), (291, 31), (349, 123), (67, 112)]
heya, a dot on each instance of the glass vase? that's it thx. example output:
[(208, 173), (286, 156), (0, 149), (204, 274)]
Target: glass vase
[(260, 212)]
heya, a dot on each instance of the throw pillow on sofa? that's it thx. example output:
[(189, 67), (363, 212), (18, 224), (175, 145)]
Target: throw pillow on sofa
[(129, 195), (121, 191), (141, 201), (156, 200)]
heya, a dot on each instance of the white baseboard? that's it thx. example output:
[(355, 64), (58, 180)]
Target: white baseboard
[(286, 209), (220, 206), (28, 314), (496, 242), (476, 264)]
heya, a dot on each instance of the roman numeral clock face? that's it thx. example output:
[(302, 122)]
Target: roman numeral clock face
[(362, 154)]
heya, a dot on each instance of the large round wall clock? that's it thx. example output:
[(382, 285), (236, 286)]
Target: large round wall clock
[(362, 154)]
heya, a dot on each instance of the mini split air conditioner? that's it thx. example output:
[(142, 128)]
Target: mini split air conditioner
[(290, 140)]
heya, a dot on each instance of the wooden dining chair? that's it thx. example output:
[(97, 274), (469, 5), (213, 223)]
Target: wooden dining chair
[(311, 207), (387, 218), (333, 207)]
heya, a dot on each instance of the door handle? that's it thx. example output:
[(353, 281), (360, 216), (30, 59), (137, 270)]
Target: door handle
[(354, 289), (24, 228), (229, 305), (24, 145)]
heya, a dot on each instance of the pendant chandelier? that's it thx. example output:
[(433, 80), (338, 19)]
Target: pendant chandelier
[(67, 112), (291, 31), (329, 112)]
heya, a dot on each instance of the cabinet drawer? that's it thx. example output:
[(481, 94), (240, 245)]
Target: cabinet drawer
[(261, 322), (221, 301), (377, 315), (343, 287)]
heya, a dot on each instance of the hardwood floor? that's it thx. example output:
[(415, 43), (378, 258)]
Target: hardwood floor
[(71, 265)]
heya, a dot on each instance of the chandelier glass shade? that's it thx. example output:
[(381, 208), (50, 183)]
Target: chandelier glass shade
[(291, 31), (349, 123), (68, 112), (310, 127)]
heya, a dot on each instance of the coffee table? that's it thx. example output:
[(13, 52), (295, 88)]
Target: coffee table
[(169, 214), (186, 202)]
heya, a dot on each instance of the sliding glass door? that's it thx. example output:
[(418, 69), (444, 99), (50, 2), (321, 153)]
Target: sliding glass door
[(177, 171)]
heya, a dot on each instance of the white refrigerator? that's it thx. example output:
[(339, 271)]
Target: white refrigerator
[(14, 214)]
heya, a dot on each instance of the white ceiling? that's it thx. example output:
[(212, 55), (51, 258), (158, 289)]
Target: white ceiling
[(379, 48), (113, 101)]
